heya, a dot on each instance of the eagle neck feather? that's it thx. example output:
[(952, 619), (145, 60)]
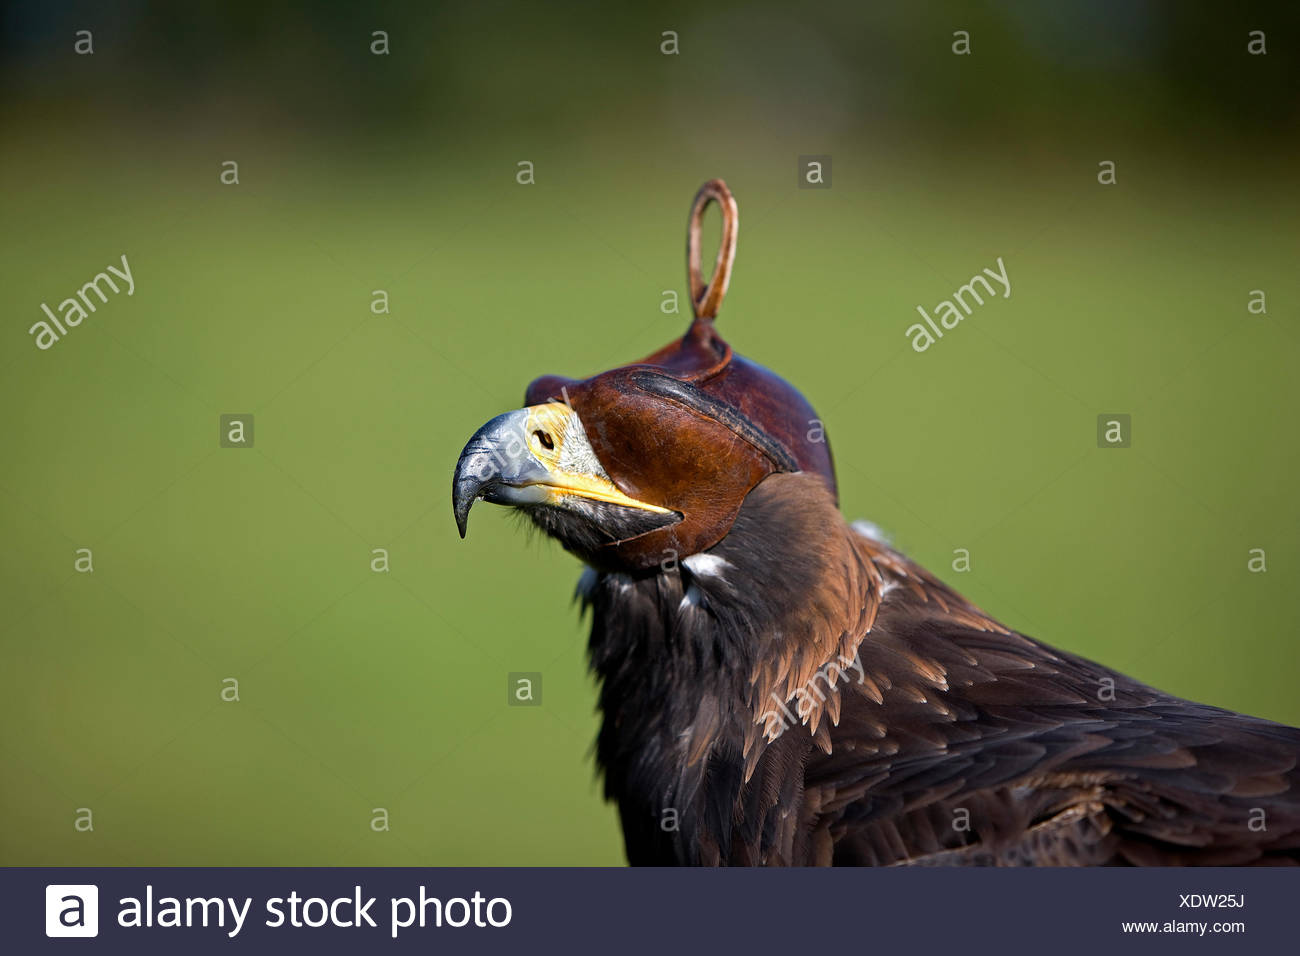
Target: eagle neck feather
[(701, 673)]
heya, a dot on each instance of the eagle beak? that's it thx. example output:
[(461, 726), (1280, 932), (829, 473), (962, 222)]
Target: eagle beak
[(527, 457)]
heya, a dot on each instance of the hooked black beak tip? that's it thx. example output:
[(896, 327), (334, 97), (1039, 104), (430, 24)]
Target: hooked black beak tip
[(464, 492)]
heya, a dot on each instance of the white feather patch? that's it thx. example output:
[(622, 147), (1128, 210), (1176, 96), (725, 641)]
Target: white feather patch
[(693, 599), (707, 566), (869, 529)]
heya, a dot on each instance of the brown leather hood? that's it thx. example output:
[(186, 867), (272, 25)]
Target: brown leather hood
[(693, 427)]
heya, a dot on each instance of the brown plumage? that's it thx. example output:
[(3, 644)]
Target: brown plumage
[(778, 688)]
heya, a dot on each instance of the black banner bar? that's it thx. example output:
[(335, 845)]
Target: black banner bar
[(246, 910)]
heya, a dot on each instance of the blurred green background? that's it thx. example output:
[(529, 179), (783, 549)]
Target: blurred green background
[(359, 172)]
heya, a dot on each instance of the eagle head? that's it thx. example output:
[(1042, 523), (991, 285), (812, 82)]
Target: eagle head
[(649, 462)]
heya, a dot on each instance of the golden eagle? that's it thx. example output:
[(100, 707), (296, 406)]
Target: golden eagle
[(781, 688)]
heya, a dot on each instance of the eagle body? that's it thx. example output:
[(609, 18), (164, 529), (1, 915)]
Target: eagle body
[(957, 741), (779, 688)]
